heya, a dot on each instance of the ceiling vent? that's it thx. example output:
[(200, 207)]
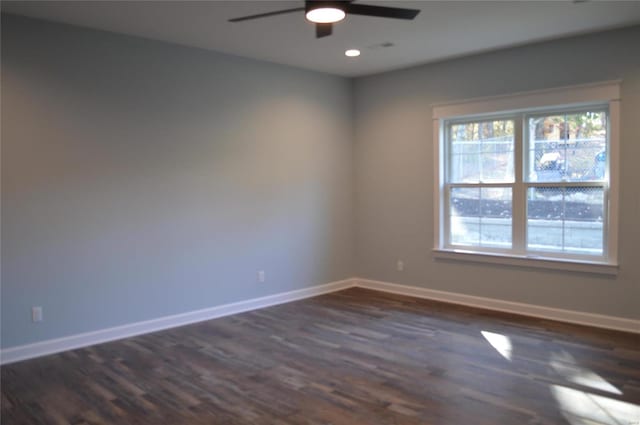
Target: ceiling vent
[(383, 45)]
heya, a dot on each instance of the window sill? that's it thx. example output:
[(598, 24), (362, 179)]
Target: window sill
[(527, 261)]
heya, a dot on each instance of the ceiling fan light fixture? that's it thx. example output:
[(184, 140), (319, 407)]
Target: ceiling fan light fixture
[(326, 15), (324, 12)]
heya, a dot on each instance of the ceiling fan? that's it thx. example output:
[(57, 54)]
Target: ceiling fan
[(325, 13)]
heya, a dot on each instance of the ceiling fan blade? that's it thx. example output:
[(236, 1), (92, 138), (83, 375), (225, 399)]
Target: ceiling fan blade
[(323, 30), (381, 11), (264, 15)]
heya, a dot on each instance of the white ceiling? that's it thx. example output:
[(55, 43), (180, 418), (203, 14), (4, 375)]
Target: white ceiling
[(443, 29)]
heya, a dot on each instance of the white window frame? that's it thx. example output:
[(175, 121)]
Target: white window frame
[(519, 107)]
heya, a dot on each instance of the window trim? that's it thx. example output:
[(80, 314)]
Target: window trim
[(605, 95)]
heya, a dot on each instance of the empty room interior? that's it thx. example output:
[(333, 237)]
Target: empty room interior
[(320, 212)]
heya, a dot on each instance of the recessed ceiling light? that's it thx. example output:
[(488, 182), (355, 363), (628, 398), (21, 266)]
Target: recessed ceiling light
[(352, 53)]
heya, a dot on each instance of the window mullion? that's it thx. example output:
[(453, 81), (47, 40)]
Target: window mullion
[(519, 199)]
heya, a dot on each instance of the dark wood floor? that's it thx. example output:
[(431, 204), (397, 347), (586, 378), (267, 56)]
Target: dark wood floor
[(352, 357)]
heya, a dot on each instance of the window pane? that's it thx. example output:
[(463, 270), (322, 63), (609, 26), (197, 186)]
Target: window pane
[(481, 152), (480, 217), (568, 220), (567, 147)]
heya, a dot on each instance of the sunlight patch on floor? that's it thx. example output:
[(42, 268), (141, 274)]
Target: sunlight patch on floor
[(580, 408), (567, 367), (501, 343)]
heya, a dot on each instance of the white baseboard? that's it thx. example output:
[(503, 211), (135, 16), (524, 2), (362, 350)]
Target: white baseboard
[(569, 316), (43, 348), (52, 346)]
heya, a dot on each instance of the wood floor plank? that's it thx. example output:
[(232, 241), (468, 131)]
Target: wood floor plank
[(350, 357)]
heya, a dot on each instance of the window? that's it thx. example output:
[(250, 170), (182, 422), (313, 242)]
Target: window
[(535, 181)]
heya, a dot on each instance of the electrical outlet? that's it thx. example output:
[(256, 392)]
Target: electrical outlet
[(400, 265), (261, 276), (36, 314)]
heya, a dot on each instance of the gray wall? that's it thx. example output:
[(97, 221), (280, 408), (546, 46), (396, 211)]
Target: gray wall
[(142, 179), (394, 170)]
